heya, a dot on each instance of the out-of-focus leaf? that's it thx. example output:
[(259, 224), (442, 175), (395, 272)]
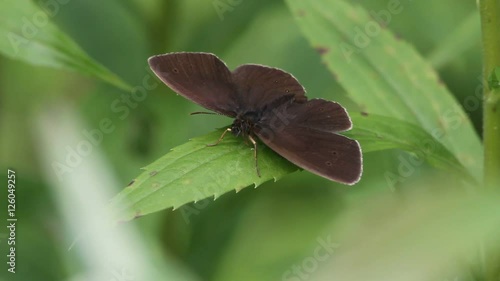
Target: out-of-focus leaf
[(429, 237), (464, 37), (386, 76), (30, 36)]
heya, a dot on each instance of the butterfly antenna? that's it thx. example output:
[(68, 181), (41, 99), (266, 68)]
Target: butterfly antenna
[(203, 112)]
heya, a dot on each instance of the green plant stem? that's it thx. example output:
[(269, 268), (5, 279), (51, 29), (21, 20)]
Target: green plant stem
[(490, 25)]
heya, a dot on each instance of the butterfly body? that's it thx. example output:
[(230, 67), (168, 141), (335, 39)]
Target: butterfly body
[(244, 125), (270, 104)]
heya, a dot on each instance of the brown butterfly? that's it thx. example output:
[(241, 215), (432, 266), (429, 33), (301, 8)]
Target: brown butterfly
[(270, 104)]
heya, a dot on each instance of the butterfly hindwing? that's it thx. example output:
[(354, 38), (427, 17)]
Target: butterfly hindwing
[(305, 135)]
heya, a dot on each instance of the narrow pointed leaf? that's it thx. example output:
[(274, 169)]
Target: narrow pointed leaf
[(29, 35)]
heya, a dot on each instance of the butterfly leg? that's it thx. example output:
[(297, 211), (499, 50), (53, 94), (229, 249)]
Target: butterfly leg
[(255, 154), (221, 138)]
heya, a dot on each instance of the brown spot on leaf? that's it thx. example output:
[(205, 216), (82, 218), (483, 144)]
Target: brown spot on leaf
[(137, 215), (335, 76), (301, 13), (131, 183), (378, 21), (322, 50), (153, 173), (364, 113)]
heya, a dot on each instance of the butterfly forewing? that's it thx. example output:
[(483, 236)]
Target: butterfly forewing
[(201, 77)]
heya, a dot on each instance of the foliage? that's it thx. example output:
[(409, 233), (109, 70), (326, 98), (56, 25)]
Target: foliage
[(88, 114)]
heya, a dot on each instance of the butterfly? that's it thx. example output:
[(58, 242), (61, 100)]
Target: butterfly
[(269, 104)]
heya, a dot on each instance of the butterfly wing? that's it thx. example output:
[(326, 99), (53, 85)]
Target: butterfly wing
[(305, 135), (200, 77), (260, 87), (321, 115)]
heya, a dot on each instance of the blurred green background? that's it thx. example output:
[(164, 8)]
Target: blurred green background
[(257, 234)]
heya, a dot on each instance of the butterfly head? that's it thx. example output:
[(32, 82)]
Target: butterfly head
[(245, 123)]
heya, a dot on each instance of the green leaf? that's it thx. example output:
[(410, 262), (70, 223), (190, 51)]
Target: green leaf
[(28, 35), (193, 171), (464, 37), (386, 76), (375, 133), (403, 233)]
